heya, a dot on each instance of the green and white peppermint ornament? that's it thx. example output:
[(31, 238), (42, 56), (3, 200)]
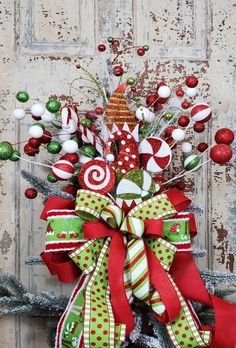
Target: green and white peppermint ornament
[(191, 162), (136, 186)]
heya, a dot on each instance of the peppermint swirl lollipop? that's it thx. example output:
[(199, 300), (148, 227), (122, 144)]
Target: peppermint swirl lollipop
[(97, 176)]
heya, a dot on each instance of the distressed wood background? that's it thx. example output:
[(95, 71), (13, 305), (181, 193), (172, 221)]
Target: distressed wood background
[(41, 43)]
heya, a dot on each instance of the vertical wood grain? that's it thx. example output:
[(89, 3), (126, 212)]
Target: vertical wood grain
[(41, 43)]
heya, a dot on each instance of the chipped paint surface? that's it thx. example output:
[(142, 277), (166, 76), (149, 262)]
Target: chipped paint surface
[(41, 43)]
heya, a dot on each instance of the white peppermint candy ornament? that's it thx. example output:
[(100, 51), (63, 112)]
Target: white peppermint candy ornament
[(155, 154), (201, 112), (63, 170)]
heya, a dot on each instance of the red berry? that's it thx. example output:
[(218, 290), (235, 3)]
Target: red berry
[(99, 110), (31, 193), (90, 115), (140, 51), (36, 118), (34, 142), (133, 88), (162, 100), (185, 104), (46, 137), (115, 43), (199, 127), (118, 70), (179, 92), (221, 153), (30, 150), (101, 48), (180, 184), (191, 81), (171, 143), (159, 178), (151, 99), (71, 157), (224, 136), (183, 121), (169, 130), (202, 147)]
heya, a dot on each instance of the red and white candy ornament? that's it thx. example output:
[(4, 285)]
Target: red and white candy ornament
[(98, 176), (201, 112), (63, 170)]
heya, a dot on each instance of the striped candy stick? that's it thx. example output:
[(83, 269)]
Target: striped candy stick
[(90, 138)]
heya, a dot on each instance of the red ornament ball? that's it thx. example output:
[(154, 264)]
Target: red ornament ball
[(46, 137), (221, 153), (30, 150), (179, 92), (180, 184), (101, 48), (34, 142), (159, 178), (202, 147), (183, 121), (31, 193), (224, 136), (90, 115), (118, 70), (115, 43), (191, 81), (185, 104), (133, 88), (71, 157), (199, 127), (169, 130), (99, 110), (140, 51), (151, 99)]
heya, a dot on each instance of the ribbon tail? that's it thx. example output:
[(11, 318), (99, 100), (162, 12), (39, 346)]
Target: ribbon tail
[(120, 305)]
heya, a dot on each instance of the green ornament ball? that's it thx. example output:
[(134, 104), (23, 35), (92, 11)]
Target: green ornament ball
[(51, 178), (110, 39), (86, 122), (54, 147), (53, 105), (22, 96), (16, 156), (145, 47), (6, 151), (74, 178), (191, 162), (89, 150), (41, 125), (131, 81), (168, 116)]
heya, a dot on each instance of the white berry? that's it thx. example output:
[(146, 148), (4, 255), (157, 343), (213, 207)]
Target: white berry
[(178, 134), (70, 146), (37, 109), (186, 147), (48, 116), (19, 114), (36, 131), (164, 91)]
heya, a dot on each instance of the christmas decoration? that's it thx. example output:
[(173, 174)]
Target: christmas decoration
[(120, 225)]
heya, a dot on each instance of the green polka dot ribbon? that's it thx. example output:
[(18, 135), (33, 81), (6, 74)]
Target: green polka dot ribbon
[(100, 328)]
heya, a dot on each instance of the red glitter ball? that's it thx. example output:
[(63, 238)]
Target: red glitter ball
[(185, 104), (199, 127), (221, 153), (183, 121), (101, 47), (46, 137), (31, 193), (191, 81), (202, 147), (30, 150), (224, 136), (71, 157), (34, 142), (140, 51), (179, 92)]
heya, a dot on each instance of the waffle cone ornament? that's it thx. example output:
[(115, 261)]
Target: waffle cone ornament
[(118, 115)]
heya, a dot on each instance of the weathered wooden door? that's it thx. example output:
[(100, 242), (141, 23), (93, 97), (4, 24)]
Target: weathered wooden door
[(40, 46)]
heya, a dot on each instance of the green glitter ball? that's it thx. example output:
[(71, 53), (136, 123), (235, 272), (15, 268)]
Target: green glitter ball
[(53, 105), (110, 39), (131, 81), (74, 178), (16, 156), (54, 147), (22, 96), (168, 116), (51, 178), (86, 122), (41, 125), (146, 47), (6, 151), (89, 150)]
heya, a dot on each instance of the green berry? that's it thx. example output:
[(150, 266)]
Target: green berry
[(131, 81), (16, 156), (89, 151), (6, 151), (51, 178), (53, 105), (41, 125), (110, 39), (86, 122), (168, 116), (54, 147), (22, 96), (145, 47)]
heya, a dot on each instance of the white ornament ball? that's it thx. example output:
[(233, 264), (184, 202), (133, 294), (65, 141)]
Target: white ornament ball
[(110, 157), (150, 117), (19, 114), (36, 131), (186, 147), (142, 113), (70, 146), (37, 109), (84, 159), (63, 170), (178, 134), (164, 92), (48, 116), (63, 136), (191, 92), (70, 128)]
